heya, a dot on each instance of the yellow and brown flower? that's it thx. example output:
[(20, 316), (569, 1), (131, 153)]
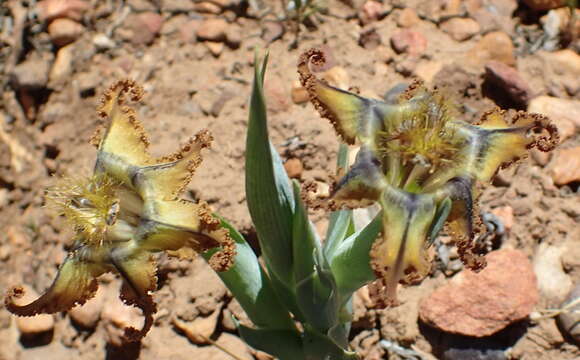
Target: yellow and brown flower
[(125, 212), (423, 165)]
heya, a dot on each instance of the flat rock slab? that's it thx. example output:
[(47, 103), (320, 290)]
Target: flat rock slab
[(481, 304)]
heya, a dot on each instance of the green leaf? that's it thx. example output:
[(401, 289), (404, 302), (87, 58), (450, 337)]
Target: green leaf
[(315, 285), (340, 221), (268, 191), (251, 286), (320, 347), (284, 344), (351, 261)]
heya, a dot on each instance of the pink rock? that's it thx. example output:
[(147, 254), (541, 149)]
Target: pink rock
[(64, 31), (484, 303), (460, 29), (508, 79), (213, 30), (52, 9), (145, 27), (371, 11), (565, 166), (409, 41), (188, 30), (496, 45)]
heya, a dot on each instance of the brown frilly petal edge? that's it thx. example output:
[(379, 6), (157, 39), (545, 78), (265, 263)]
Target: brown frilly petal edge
[(308, 80), (211, 226), (117, 92)]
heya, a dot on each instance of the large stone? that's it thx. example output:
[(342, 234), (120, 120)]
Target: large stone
[(408, 18), (294, 168), (52, 9), (509, 80), (460, 29), (62, 67), (177, 6), (481, 304), (564, 113), (370, 12), (409, 41), (544, 4), (32, 325), (213, 30), (565, 166), (299, 93), (493, 46), (64, 31), (554, 284), (31, 74), (116, 317)]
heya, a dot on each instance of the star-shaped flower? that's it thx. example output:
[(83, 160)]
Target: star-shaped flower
[(423, 165), (126, 211)]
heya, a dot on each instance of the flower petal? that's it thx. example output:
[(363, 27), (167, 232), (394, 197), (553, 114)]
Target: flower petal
[(400, 255), (364, 182), (167, 179), (352, 116), (461, 221), (124, 140), (75, 283)]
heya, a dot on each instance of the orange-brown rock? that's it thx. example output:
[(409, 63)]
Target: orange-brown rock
[(481, 304)]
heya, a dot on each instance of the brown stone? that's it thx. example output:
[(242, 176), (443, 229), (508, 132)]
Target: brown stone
[(116, 316), (213, 30), (553, 283), (188, 31), (544, 4), (52, 9), (207, 7), (234, 36), (409, 41), (481, 304), (31, 74), (294, 168), (407, 18), (64, 31), (493, 46), (215, 48), (298, 93), (564, 113), (144, 27), (565, 166), (88, 315), (508, 79), (460, 29)]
